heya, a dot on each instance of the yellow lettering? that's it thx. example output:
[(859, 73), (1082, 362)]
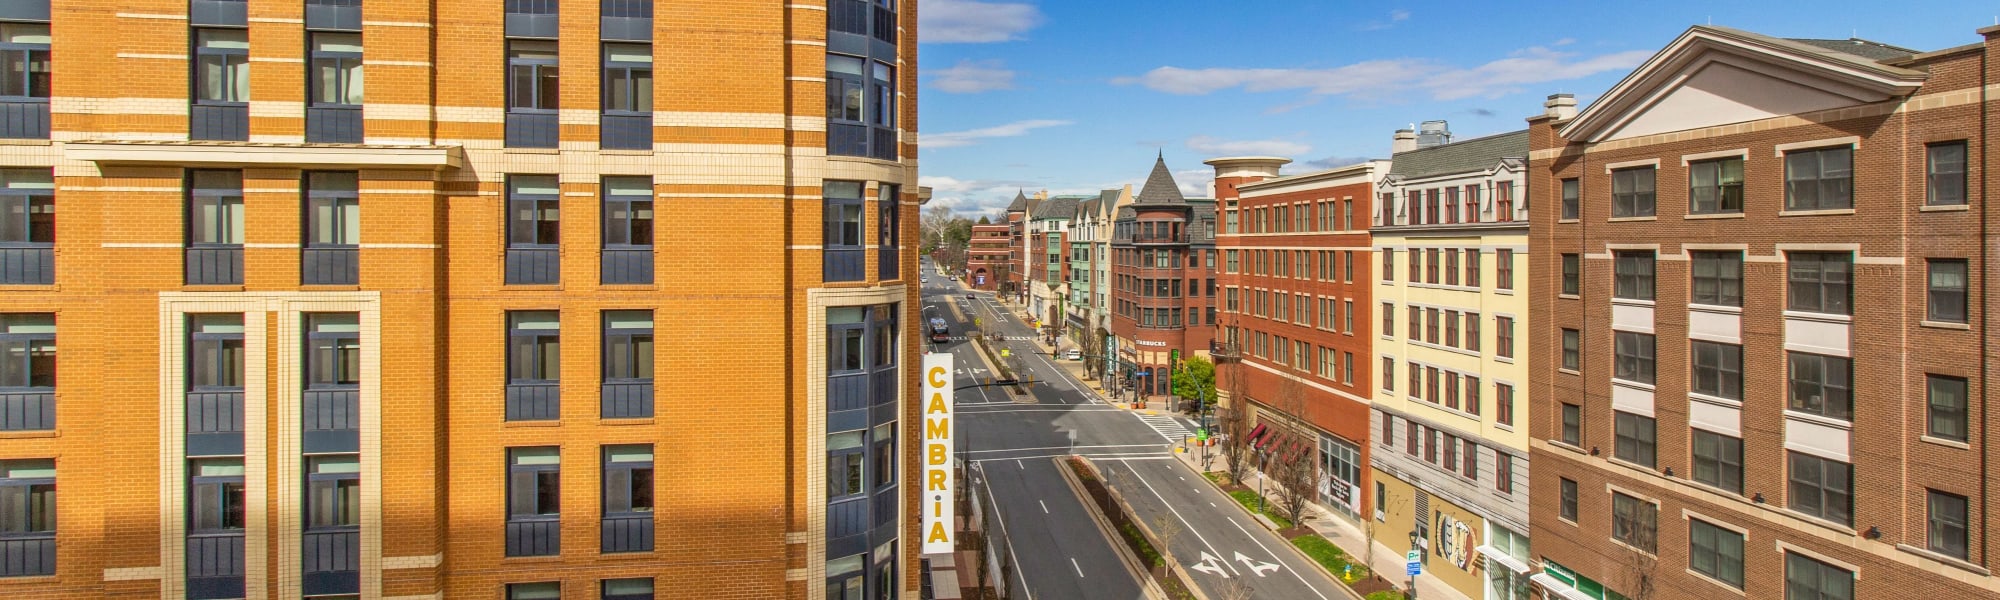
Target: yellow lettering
[(937, 453), (936, 482), (937, 429), (936, 405), (937, 534), (936, 375), (937, 509)]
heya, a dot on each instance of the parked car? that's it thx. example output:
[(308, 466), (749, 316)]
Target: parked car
[(1073, 354)]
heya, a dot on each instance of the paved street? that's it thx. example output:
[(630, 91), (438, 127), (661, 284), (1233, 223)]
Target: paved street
[(1013, 438)]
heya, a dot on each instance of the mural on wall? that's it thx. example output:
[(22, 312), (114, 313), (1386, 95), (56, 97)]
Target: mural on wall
[(1455, 541)]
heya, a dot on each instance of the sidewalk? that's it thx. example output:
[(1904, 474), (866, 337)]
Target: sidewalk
[(1348, 536)]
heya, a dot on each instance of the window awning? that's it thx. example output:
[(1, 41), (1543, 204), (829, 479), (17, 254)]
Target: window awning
[(1256, 436), (1495, 555), (1557, 587)]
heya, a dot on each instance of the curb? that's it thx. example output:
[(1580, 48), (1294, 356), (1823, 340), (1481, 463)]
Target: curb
[(1125, 557), (1264, 521)]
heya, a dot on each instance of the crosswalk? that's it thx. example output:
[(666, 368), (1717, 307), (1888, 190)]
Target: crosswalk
[(1167, 426), (1008, 338)]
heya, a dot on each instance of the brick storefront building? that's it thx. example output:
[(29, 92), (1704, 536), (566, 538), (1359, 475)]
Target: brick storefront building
[(1296, 273), (313, 334), (1762, 329), (1163, 293), (988, 255)]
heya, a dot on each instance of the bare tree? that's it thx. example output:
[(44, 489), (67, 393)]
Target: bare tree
[(1237, 589), (1092, 348), (1639, 577), (1370, 526), (1294, 465), (1166, 528), (1235, 424)]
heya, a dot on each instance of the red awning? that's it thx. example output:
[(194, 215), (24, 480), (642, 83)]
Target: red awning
[(1255, 434)]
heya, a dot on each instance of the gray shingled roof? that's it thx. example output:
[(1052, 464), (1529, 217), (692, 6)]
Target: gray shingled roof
[(1160, 187), (1059, 207), (1201, 224), (1020, 203), (1871, 50), (1476, 154), (1088, 208)]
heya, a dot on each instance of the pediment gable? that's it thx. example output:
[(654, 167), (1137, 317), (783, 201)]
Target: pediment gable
[(1713, 76)]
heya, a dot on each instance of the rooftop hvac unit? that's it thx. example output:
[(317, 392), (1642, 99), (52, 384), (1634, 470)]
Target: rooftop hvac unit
[(1433, 133)]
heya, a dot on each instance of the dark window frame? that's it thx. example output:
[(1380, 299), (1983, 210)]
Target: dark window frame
[(232, 63), (1716, 277), (1717, 460), (1571, 431), (1831, 376), (27, 214), (623, 481), (319, 63), (1566, 499), (1636, 438), (1946, 420), (1947, 302), (227, 348), (1572, 199), (1635, 522), (333, 498), (1830, 181), (636, 99), (1946, 519), (338, 192), (1709, 549), (1942, 186), (1635, 192), (1820, 282), (333, 358), (1807, 578), (229, 215), (1572, 274), (31, 357), (526, 66), (1634, 273), (1716, 369), (215, 503), (534, 355), (1723, 195), (1820, 487), (28, 505), (1572, 349), (35, 75), (534, 490), (624, 360)]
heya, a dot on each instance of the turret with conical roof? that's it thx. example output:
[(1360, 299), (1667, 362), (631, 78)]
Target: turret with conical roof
[(1020, 203), (1160, 187)]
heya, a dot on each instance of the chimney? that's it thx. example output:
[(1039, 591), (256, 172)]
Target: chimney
[(1433, 133), (1406, 140), (1561, 107)]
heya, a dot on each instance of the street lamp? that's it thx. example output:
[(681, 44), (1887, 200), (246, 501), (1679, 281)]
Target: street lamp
[(1413, 577)]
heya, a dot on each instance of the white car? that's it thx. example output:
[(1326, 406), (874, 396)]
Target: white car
[(1073, 354)]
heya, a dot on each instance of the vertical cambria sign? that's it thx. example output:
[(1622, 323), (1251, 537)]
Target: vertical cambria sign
[(938, 499)]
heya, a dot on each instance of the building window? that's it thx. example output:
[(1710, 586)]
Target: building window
[(547, 590), (1503, 472), (215, 344), (1633, 271), (1566, 501), (628, 589), (1388, 374), (1715, 552), (1822, 488), (28, 352), (24, 57), (1822, 385), (1572, 424), (1634, 353), (628, 96), (1503, 337), (333, 492), (1503, 268), (1715, 186), (844, 228), (27, 517), (333, 229), (1572, 275), (1717, 278), (1451, 328), (1944, 174), (1572, 350), (889, 231), (534, 229), (1572, 203), (1431, 265), (215, 496), (1808, 579), (215, 228), (534, 501), (1347, 266), (336, 69), (1820, 282), (1503, 403), (1636, 438), (534, 366), (333, 351), (222, 66), (1632, 192), (1819, 179), (533, 93), (27, 223), (1947, 290), (1718, 370), (1948, 518), (1947, 401), (1634, 522), (1718, 460), (1388, 265), (628, 498), (628, 230), (1451, 266), (1450, 443)]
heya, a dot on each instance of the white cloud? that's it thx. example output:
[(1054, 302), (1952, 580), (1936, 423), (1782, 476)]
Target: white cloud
[(972, 77), (1395, 16), (973, 197), (973, 22), (1218, 147), (1392, 77), (954, 139)]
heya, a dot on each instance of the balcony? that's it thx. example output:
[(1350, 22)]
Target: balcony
[(215, 566), (533, 401), (1225, 352), (626, 132), (332, 562), (28, 265), (219, 122), (333, 124), (847, 401), (330, 266), (214, 265), (214, 423), (531, 128), (331, 421), (31, 410), (628, 400), (846, 139), (534, 537), (534, 266), (28, 555), (24, 119), (845, 264), (847, 527), (628, 266), (627, 534)]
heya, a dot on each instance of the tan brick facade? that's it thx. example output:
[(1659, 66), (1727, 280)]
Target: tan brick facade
[(1890, 234), (738, 296)]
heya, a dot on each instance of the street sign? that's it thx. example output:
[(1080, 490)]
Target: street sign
[(1413, 564)]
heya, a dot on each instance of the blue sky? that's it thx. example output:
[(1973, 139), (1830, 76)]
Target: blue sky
[(1077, 95)]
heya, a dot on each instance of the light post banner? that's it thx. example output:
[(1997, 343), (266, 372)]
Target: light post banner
[(939, 484)]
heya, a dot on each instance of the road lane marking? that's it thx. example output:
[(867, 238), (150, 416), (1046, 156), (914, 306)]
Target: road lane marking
[(1018, 465), (1085, 455), (1045, 506), (1067, 448), (1170, 508), (1274, 556), (1003, 533), (1079, 568)]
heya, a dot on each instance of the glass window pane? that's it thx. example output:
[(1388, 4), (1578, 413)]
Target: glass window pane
[(336, 42)]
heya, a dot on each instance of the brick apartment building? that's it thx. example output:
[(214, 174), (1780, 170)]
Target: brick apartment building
[(1018, 260), (1163, 273), (987, 255), (1048, 258), (313, 332), (1762, 328), (1451, 304), (1296, 273)]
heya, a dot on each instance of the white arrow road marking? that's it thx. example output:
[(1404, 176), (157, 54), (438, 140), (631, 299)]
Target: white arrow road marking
[(1209, 564), (1255, 567)]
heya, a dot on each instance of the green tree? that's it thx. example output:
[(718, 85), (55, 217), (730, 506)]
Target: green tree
[(985, 221), (1195, 374)]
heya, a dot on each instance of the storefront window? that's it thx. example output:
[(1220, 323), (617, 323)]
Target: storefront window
[(1340, 476)]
